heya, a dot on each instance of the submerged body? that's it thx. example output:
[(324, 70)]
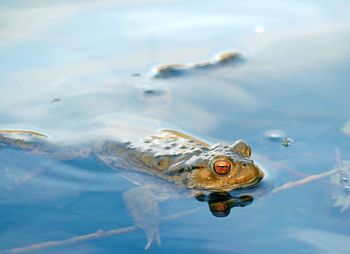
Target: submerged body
[(169, 155)]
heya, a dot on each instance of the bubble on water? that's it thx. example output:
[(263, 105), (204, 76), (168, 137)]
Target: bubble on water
[(259, 29), (346, 128), (344, 179)]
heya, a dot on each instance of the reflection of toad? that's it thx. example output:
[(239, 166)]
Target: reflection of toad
[(220, 203)]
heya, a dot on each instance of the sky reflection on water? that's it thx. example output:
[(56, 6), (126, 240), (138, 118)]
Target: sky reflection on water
[(295, 78)]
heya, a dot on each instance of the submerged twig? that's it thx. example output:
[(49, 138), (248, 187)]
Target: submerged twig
[(339, 167), (304, 180), (98, 234), (73, 240)]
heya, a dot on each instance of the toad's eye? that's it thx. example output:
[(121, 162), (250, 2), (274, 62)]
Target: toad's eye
[(222, 167)]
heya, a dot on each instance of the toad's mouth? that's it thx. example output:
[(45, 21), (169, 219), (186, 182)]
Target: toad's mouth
[(229, 187)]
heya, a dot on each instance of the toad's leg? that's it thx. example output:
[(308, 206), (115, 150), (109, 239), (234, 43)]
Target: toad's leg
[(24, 140), (39, 143), (143, 206)]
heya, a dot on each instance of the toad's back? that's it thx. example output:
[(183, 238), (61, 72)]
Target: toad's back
[(166, 148), (154, 154)]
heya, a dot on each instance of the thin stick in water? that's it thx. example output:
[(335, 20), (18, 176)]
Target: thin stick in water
[(98, 234)]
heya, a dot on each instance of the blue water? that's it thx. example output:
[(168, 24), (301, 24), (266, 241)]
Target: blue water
[(294, 78)]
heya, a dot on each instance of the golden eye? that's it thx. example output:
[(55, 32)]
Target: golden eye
[(222, 167)]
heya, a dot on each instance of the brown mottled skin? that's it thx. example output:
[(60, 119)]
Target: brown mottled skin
[(186, 161)]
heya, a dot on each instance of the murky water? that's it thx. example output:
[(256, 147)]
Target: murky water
[(73, 70)]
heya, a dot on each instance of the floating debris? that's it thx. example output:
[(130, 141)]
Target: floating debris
[(175, 70), (152, 92), (169, 70), (56, 100), (279, 136), (227, 58), (287, 142), (136, 75)]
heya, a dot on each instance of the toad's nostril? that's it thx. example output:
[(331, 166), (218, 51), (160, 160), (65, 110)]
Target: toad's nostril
[(222, 167)]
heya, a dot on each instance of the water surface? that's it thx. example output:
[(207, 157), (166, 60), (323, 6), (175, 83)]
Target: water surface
[(72, 70)]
